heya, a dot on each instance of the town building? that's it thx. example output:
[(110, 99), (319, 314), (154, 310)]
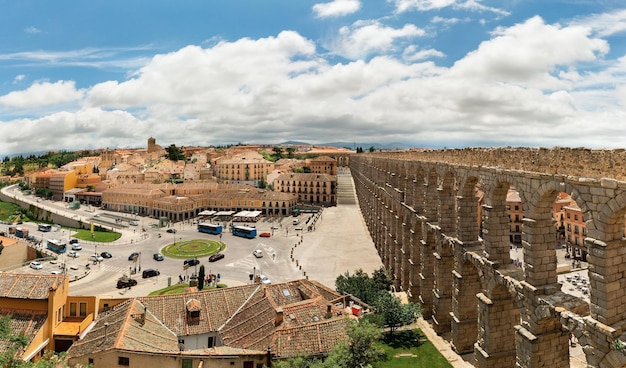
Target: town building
[(178, 202), (318, 189), (244, 168), (40, 308), (322, 165)]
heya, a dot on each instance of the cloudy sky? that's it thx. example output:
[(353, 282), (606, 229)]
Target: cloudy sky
[(428, 73)]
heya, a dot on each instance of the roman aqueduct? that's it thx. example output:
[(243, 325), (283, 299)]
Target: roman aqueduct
[(422, 211)]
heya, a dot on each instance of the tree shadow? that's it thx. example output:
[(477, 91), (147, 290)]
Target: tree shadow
[(404, 339)]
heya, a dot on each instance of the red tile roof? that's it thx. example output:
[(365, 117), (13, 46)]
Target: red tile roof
[(29, 286)]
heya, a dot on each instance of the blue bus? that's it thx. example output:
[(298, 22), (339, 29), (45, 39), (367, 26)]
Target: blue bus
[(57, 246), (205, 227), (243, 231)]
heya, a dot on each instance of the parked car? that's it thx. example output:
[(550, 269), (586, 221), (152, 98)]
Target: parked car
[(124, 282), (76, 246), (106, 255), (36, 265), (73, 254), (56, 272), (265, 235), (265, 280), (191, 262), (132, 256), (73, 241), (258, 253), (157, 256), (149, 273), (96, 258), (216, 257), (171, 231)]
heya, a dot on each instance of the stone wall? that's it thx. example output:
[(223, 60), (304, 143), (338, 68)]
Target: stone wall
[(421, 211)]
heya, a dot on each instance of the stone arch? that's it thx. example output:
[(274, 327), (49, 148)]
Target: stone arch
[(496, 223)]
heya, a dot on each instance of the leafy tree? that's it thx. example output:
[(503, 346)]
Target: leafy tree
[(290, 152), (359, 350), (362, 286), (371, 149), (201, 278), (174, 153), (278, 153), (262, 184), (393, 313)]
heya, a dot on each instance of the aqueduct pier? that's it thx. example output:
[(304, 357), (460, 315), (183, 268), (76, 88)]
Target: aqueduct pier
[(423, 214)]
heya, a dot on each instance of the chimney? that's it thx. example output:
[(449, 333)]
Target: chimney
[(329, 311), (279, 317)]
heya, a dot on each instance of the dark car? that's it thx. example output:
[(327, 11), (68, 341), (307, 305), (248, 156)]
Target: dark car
[(106, 255), (157, 256), (216, 257), (149, 273), (133, 256), (191, 262), (171, 231), (125, 282), (74, 241)]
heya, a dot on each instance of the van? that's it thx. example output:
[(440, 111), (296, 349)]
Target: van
[(295, 221)]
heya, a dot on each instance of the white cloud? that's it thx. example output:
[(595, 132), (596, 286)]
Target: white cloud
[(336, 8), (529, 52), (429, 5), (32, 30), (19, 78), (411, 54), (42, 94), (365, 38), (605, 24)]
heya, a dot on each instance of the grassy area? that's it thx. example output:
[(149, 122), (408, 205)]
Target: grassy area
[(180, 289), (191, 248), (99, 236), (10, 212), (411, 349)]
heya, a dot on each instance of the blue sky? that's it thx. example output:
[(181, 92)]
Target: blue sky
[(428, 73)]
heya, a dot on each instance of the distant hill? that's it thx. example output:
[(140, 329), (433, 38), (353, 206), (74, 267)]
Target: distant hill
[(353, 145)]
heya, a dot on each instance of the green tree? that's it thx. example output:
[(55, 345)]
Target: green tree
[(174, 153), (359, 350), (362, 286), (371, 149), (393, 313), (278, 153), (201, 278), (290, 152)]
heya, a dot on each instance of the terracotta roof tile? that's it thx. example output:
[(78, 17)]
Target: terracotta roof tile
[(28, 286), (23, 322)]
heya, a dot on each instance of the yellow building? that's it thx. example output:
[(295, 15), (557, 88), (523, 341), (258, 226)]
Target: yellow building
[(319, 189), (245, 168), (322, 165), (40, 308)]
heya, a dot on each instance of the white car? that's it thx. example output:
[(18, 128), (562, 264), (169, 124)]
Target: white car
[(36, 265), (258, 253), (76, 246), (96, 258), (73, 254), (265, 280)]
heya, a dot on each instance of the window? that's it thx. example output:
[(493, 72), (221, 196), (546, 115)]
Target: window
[(73, 309), (125, 361), (83, 309), (568, 215), (187, 363), (211, 342)]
